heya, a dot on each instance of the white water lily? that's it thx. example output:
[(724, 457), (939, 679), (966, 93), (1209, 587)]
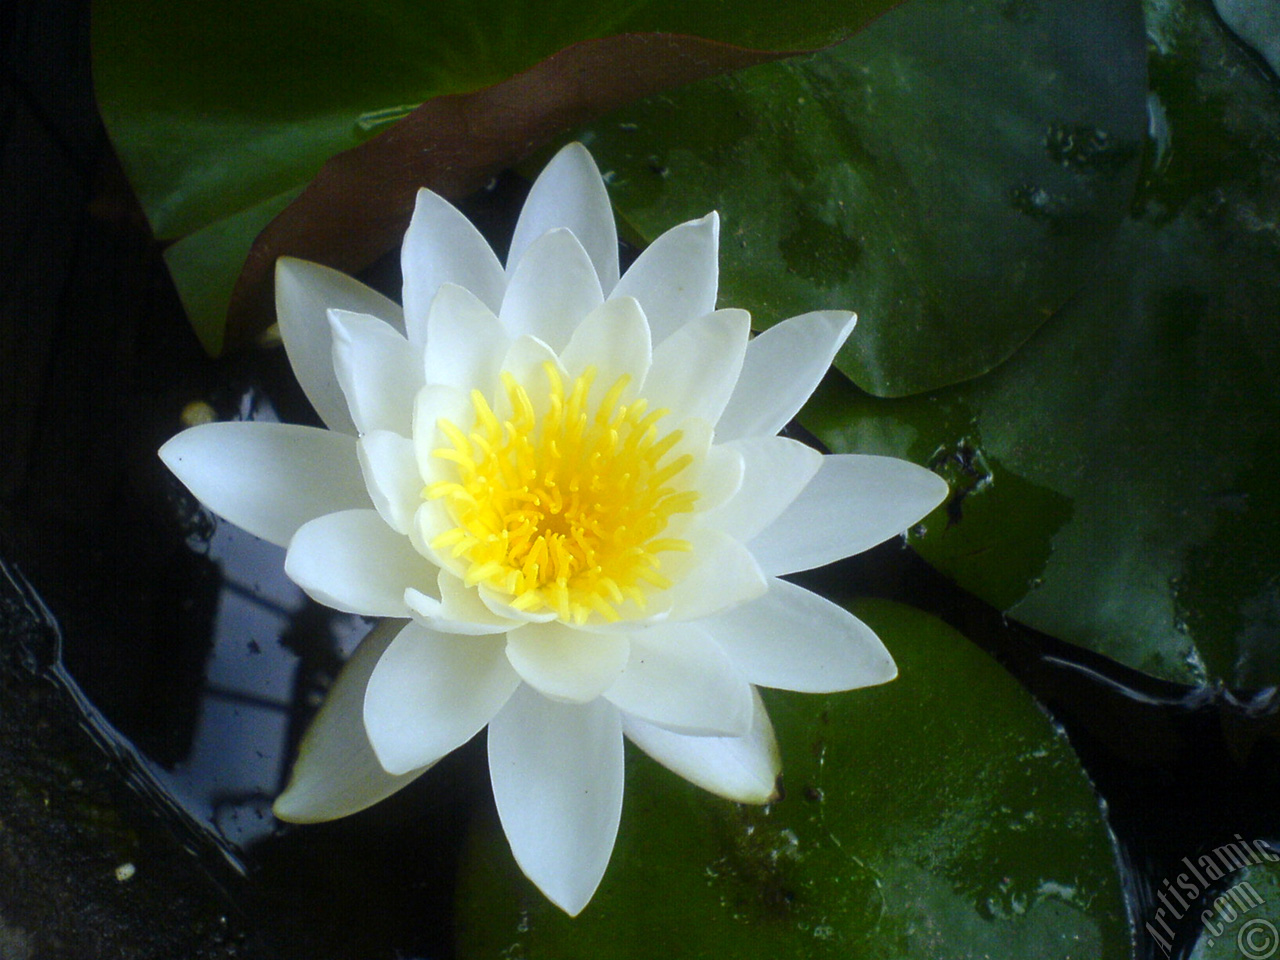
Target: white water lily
[(568, 489)]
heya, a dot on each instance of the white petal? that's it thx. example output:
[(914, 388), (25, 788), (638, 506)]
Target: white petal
[(852, 503), (553, 287), (432, 612), (305, 292), (337, 773), (675, 278), (442, 246), (717, 574), (614, 338), (781, 370), (431, 520), (379, 372), (743, 768), (392, 477), (776, 470), (791, 639), (721, 477), (567, 664), (500, 606), (352, 561), (268, 478), (462, 603), (526, 361), (465, 342), (557, 780), (679, 678), (695, 368), (431, 693), (436, 402), (569, 193)]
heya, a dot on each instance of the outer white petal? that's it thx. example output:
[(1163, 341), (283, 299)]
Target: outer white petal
[(716, 574), (305, 292), (695, 368), (352, 561), (781, 370), (431, 693), (852, 503), (442, 246), (567, 664), (268, 478), (379, 372), (720, 477), (557, 780), (743, 768), (792, 639), (614, 338), (676, 277), (465, 341), (337, 773), (775, 471), (679, 678), (570, 193), (392, 477), (552, 288)]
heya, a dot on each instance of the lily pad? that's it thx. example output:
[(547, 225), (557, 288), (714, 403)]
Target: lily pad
[(1240, 920), (941, 814), (954, 174), (221, 109), (1113, 483)]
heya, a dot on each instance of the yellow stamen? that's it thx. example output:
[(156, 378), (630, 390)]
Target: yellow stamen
[(564, 512)]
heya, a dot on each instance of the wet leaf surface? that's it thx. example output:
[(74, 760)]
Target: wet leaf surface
[(954, 174)]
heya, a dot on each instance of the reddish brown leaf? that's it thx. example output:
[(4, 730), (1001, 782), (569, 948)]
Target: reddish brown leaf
[(359, 204)]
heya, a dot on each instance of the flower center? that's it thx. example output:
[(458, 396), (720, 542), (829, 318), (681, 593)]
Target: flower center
[(564, 512)]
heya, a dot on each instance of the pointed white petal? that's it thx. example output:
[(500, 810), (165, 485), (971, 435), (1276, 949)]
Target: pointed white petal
[(557, 780), (305, 292), (852, 503), (675, 278), (716, 574), (442, 246), (776, 470), (268, 478), (567, 664), (614, 338), (431, 693), (352, 561), (553, 287), (743, 768), (526, 362), (695, 368), (679, 678), (782, 368), (433, 403), (392, 477), (337, 773), (791, 639), (379, 372), (569, 193), (465, 342)]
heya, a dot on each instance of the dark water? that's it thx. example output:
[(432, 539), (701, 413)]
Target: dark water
[(195, 664)]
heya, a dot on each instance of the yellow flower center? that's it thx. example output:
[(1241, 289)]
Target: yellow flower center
[(564, 512)]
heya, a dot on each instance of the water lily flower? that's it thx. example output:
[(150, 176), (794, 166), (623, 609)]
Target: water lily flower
[(567, 491)]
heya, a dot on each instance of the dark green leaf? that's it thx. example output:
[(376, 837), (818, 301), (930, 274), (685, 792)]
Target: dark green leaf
[(1113, 484), (953, 173), (938, 815)]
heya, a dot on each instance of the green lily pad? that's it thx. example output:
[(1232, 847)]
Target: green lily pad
[(938, 815), (1241, 920), (216, 110), (1113, 483), (954, 174)]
